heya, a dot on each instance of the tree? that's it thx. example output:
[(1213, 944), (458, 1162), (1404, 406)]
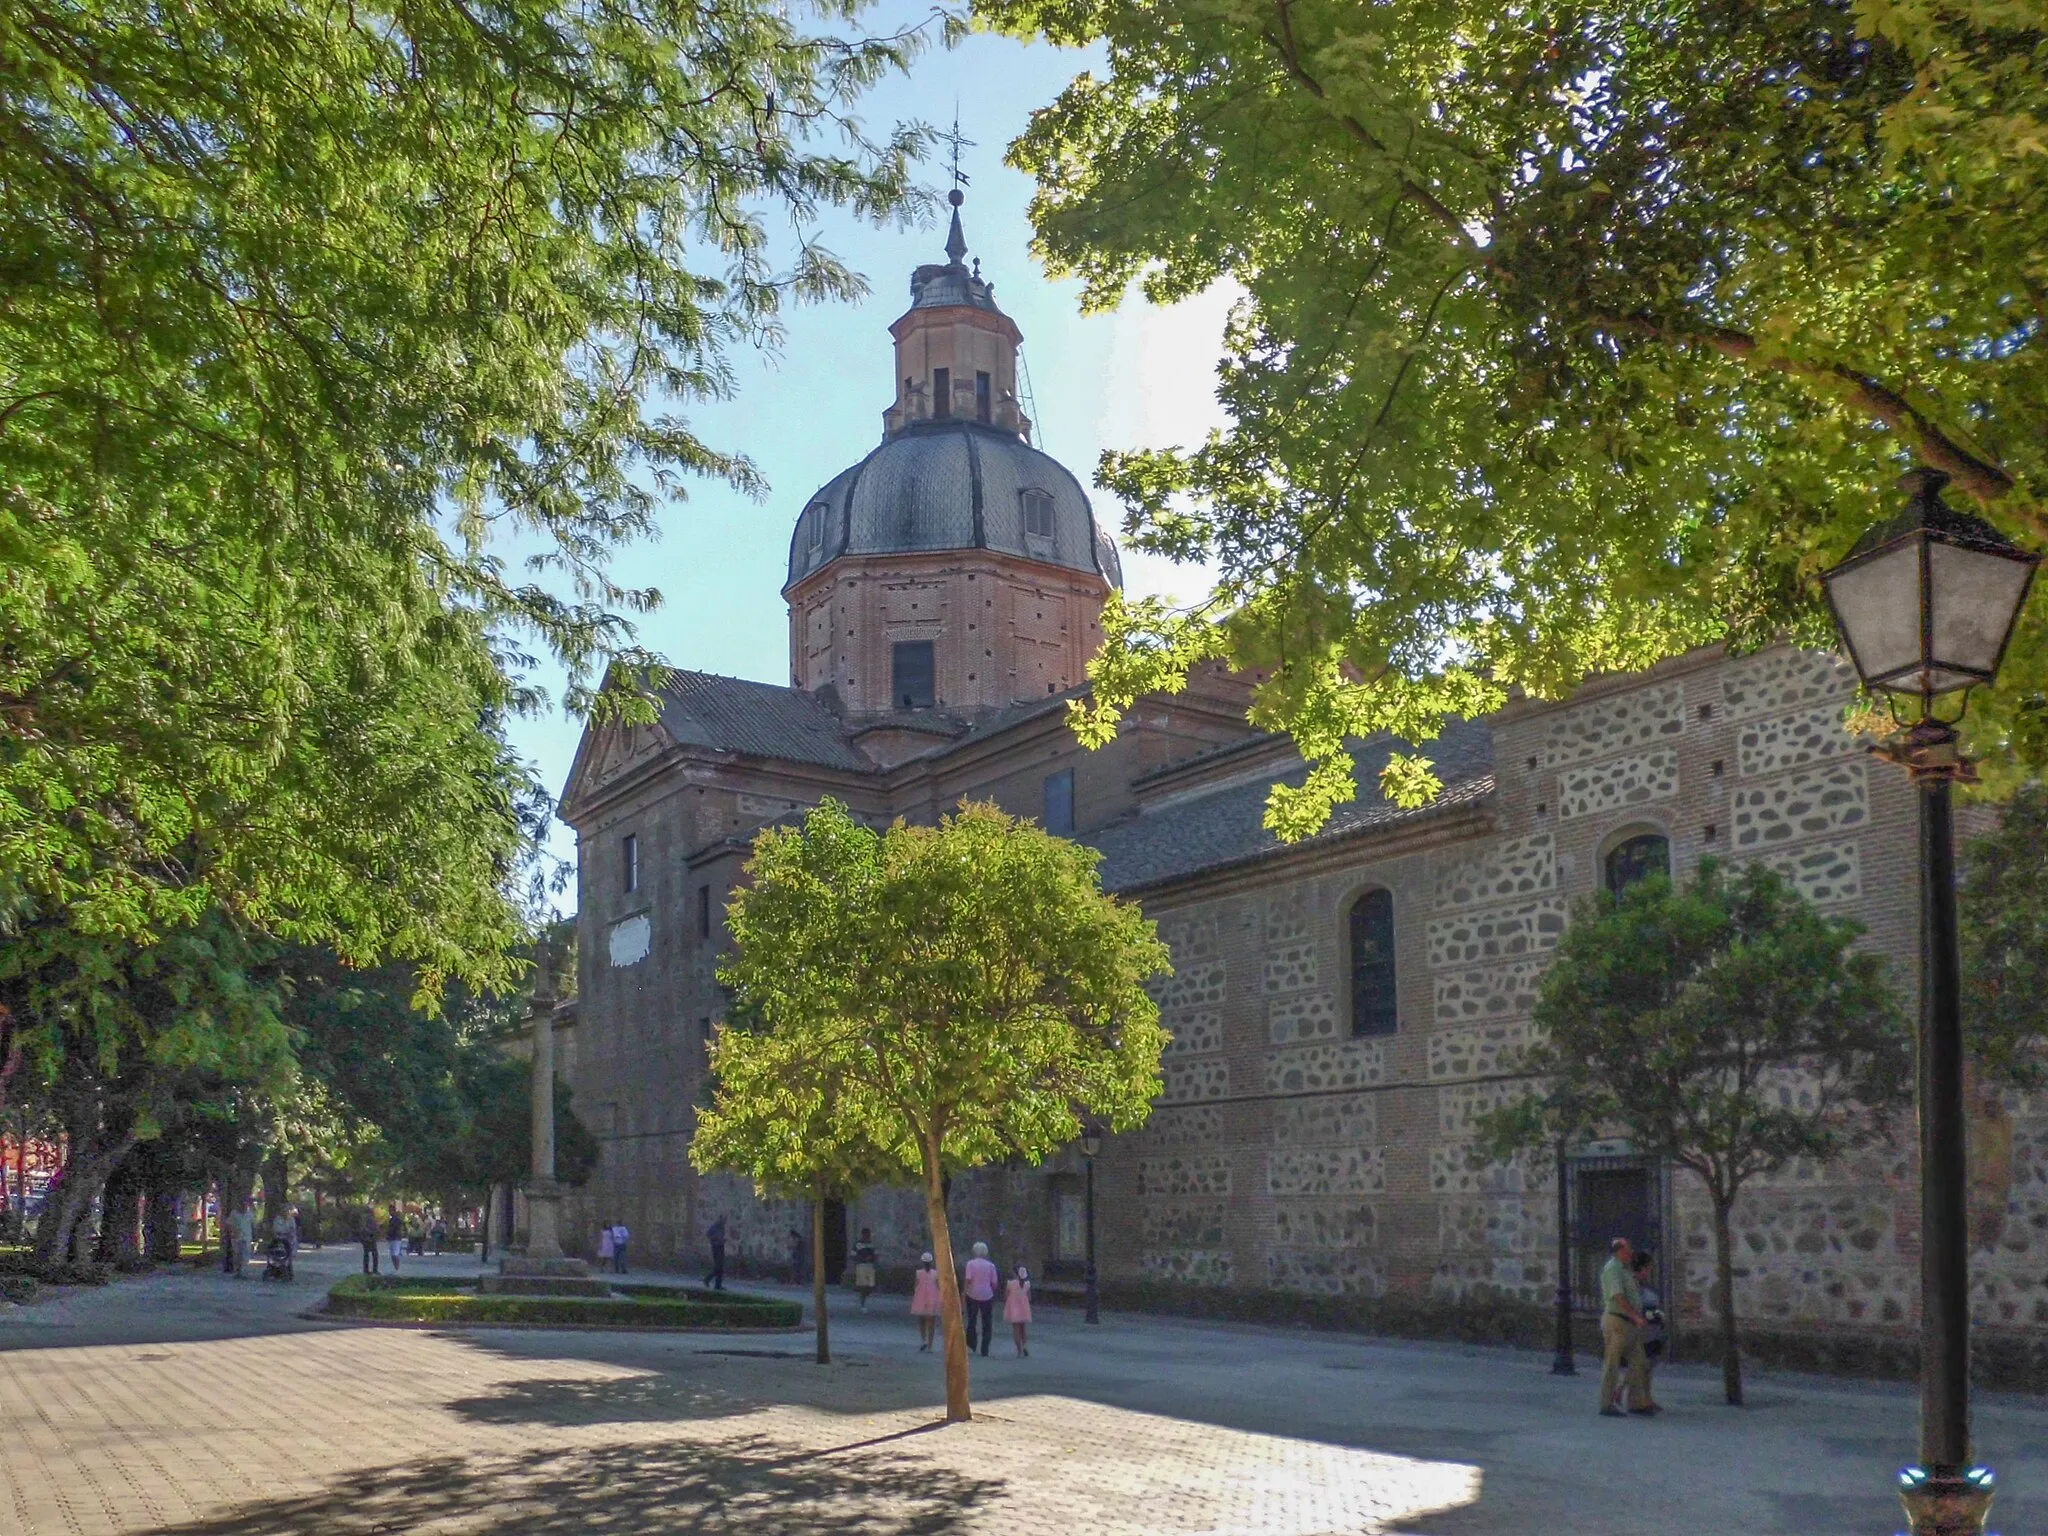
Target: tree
[(1570, 335), (311, 308), (1724, 1025), (2004, 908), (966, 991), (777, 1116)]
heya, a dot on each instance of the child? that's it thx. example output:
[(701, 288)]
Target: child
[(924, 1301), (864, 1267), (1017, 1307)]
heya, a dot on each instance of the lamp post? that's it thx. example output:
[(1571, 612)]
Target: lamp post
[(1091, 1144), (1926, 604), (1562, 1364)]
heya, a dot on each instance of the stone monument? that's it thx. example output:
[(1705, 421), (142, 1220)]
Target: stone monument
[(543, 1269)]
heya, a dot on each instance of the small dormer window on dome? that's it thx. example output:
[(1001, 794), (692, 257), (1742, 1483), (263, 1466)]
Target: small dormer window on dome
[(1038, 523)]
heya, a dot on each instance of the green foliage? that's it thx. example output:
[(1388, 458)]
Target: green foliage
[(2004, 910), (313, 309), (1723, 1024), (964, 990), (1571, 336)]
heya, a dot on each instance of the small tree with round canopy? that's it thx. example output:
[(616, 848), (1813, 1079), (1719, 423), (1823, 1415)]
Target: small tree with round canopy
[(967, 990)]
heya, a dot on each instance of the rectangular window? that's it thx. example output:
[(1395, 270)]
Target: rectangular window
[(1037, 513), (984, 397), (942, 391), (1059, 803), (629, 854), (703, 911), (912, 684), (1373, 995)]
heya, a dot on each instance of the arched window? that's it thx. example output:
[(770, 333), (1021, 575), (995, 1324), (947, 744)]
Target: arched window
[(1637, 858), (1373, 1008)]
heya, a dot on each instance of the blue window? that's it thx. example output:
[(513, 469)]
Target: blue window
[(1374, 1008), (912, 683), (1059, 802)]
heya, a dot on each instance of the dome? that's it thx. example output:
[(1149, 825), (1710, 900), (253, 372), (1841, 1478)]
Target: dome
[(954, 484)]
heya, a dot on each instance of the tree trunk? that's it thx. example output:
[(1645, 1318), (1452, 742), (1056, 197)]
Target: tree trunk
[(818, 1276), (276, 1190), (119, 1243), (85, 1174), (160, 1222), (1724, 1300), (951, 1326)]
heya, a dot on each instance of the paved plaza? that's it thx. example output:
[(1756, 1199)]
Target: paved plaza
[(192, 1404)]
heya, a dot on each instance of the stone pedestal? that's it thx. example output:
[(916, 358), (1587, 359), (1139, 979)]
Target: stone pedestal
[(543, 1220), (528, 1275)]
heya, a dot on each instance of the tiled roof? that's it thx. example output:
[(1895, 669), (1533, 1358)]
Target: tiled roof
[(731, 714), (1226, 827)]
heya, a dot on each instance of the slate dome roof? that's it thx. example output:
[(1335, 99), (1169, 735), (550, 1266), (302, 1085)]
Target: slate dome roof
[(944, 485)]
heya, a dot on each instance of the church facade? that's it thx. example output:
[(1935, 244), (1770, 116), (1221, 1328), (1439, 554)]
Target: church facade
[(1341, 1008)]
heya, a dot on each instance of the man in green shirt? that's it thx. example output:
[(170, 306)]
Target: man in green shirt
[(1621, 1332)]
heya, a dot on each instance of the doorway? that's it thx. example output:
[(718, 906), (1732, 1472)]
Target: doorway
[(1613, 1197)]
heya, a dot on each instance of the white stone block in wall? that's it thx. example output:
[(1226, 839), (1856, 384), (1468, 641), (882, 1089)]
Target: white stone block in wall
[(1506, 990), (1483, 1224), (1319, 1068), (1168, 1223), (1290, 967), (1826, 874), (628, 941), (1194, 1173), (1776, 681), (1501, 933), (1325, 1273), (1304, 1016), (1192, 1126), (1478, 1050), (1326, 1171), (1190, 987), (1517, 866), (1614, 724), (1343, 1120), (1190, 938), (1459, 1105), (1324, 1224), (1196, 1267), (1617, 785), (1194, 1032), (1810, 803), (1451, 1172), (1811, 735), (1195, 1077)]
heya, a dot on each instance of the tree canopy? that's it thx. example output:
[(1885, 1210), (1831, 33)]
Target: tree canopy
[(312, 310), (1724, 1025), (948, 995), (1571, 335), (2004, 911)]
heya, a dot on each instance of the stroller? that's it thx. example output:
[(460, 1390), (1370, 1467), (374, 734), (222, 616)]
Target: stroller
[(277, 1260)]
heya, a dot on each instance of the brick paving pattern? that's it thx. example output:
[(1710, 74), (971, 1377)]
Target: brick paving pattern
[(195, 1406)]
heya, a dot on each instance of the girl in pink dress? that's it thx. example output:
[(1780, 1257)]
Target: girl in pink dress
[(924, 1301), (1017, 1306)]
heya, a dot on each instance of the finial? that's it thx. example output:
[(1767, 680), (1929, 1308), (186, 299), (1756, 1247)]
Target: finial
[(956, 242)]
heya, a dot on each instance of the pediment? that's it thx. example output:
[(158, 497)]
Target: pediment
[(609, 753)]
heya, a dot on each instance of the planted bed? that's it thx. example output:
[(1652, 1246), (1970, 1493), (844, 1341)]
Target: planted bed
[(453, 1301)]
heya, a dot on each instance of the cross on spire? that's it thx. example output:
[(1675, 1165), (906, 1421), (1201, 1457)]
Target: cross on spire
[(958, 141)]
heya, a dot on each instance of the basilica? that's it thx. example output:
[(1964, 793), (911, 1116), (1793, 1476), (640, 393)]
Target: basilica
[(1341, 1007)]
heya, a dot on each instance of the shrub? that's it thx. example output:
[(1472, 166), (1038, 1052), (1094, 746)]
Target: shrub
[(456, 1302)]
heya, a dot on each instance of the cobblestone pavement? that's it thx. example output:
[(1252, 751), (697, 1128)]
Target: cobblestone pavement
[(192, 1404)]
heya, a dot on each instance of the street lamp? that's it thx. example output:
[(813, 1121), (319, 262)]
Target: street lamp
[(1926, 605), (1561, 1363), (1091, 1144)]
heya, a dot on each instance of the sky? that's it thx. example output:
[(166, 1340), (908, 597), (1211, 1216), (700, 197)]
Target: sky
[(1139, 376)]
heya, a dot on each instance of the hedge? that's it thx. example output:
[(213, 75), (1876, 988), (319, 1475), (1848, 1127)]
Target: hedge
[(398, 1300)]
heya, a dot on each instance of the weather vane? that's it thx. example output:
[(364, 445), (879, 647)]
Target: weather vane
[(959, 141)]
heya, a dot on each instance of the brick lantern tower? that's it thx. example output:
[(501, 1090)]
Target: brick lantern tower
[(956, 569)]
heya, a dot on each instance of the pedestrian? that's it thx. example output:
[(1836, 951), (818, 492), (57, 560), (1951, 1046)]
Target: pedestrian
[(394, 1237), (295, 1235), (1645, 1267), (799, 1257), (715, 1236), (242, 1227), (864, 1267), (604, 1245), (1621, 1335), (416, 1235), (924, 1300), (366, 1234), (283, 1230), (980, 1290), (1017, 1308), (440, 1235), (621, 1235)]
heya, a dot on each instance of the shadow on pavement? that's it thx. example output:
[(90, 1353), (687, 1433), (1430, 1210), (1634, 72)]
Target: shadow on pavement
[(749, 1485)]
